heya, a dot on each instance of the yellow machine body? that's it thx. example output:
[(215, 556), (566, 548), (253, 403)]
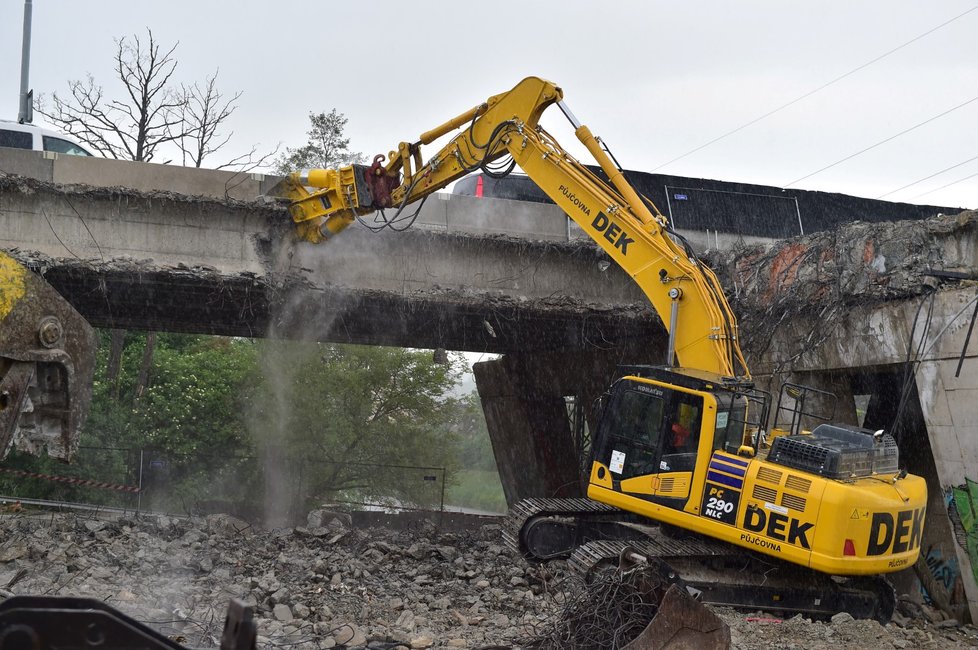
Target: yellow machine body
[(861, 526), (47, 360)]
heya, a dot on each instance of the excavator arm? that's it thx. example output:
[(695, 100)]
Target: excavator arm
[(630, 229)]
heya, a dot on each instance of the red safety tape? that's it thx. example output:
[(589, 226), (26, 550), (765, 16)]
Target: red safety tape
[(73, 481)]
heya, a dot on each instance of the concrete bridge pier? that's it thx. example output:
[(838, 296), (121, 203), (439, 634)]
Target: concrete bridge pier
[(528, 425), (928, 404), (539, 411)]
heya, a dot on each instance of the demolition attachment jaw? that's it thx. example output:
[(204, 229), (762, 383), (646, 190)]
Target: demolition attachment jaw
[(47, 361)]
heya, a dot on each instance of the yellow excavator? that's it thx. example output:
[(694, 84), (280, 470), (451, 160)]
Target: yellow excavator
[(685, 465)]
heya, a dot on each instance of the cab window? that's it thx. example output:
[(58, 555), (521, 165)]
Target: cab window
[(58, 145), (633, 428), (16, 139), (683, 424), (731, 420)]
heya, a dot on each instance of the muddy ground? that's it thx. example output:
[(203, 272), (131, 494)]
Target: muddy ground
[(329, 586)]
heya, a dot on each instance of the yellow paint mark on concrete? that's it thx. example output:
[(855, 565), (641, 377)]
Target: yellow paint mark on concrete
[(12, 284)]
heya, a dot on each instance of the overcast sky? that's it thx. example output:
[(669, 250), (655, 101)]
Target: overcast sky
[(654, 79)]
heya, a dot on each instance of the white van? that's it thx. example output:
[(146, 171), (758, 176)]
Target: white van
[(31, 136)]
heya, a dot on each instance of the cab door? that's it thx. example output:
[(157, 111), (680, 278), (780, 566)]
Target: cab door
[(647, 439)]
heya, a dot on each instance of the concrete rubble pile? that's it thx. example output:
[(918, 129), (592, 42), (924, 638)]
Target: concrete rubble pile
[(326, 585)]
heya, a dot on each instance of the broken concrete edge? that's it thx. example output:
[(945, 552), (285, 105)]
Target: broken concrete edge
[(28, 185), (284, 283), (795, 296), (859, 263), (275, 290), (882, 259), (276, 214)]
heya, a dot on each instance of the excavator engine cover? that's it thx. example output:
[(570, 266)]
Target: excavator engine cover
[(838, 452)]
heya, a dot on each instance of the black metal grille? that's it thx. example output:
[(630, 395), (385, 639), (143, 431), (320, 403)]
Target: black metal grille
[(837, 452)]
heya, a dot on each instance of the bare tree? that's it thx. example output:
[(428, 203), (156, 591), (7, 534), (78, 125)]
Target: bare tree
[(147, 115), (203, 115), (151, 111)]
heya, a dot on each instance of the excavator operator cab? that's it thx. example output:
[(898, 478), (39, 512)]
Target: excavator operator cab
[(648, 439), (732, 431), (656, 427)]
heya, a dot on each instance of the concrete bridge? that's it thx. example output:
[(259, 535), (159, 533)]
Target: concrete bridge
[(473, 274), (842, 310)]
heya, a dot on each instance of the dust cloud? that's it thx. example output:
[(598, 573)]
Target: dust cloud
[(269, 427)]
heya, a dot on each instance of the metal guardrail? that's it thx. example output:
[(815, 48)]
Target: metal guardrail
[(130, 480)]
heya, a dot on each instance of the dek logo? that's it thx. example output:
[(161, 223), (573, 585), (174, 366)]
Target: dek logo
[(777, 525), (602, 223), (612, 232), (887, 535)]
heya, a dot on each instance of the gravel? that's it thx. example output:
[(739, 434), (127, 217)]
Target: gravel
[(330, 586)]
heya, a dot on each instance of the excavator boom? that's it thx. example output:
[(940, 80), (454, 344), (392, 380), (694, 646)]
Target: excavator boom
[(630, 229)]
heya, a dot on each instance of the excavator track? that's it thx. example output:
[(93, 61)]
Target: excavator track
[(715, 572), (550, 529), (594, 556)]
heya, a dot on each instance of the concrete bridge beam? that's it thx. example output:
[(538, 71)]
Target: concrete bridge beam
[(171, 262)]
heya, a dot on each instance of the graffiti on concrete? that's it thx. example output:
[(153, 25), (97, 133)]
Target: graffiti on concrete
[(965, 500), (945, 571)]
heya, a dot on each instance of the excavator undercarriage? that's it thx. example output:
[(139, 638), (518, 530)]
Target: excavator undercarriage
[(594, 537)]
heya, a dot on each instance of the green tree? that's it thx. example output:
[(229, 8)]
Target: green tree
[(348, 422), (474, 446), (477, 481), (188, 413), (326, 148), (190, 418), (362, 419), (193, 404), (186, 416)]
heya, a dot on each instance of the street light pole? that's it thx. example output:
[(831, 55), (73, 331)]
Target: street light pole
[(26, 113)]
